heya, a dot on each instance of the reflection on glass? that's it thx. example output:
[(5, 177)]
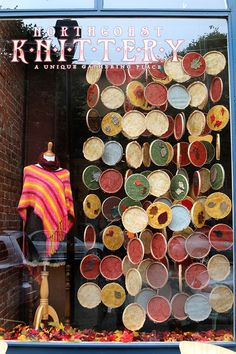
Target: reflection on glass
[(168, 4), (46, 4)]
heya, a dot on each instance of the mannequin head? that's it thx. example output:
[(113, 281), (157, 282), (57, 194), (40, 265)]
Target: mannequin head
[(48, 160)]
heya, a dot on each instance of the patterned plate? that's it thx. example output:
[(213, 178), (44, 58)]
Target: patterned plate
[(113, 237), (155, 94), (111, 124), (217, 117), (158, 309), (93, 95), (89, 266), (179, 187), (113, 295), (93, 120), (197, 153), (178, 96), (180, 218), (159, 215), (116, 76), (112, 97), (217, 176), (110, 208), (111, 181), (194, 64), (91, 176), (92, 206), (218, 205), (135, 93), (159, 152), (137, 187)]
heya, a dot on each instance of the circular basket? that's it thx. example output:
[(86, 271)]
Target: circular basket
[(197, 245), (170, 130), (157, 122), (179, 126), (197, 184), (92, 206), (116, 76), (133, 282), (197, 308), (111, 124), (113, 152), (93, 120), (155, 94), (110, 208), (146, 236), (134, 154), (142, 268), (198, 214), (89, 295), (179, 187), (196, 276), (158, 309), (196, 123), (135, 250), (218, 205), (175, 70), (156, 69), (197, 153), (93, 95), (198, 92), (135, 71), (176, 248), (178, 96), (129, 128), (125, 203), (113, 237), (158, 246), (216, 89), (127, 265), (134, 317), (210, 151), (89, 266), (217, 117), (159, 152), (111, 181), (89, 237), (221, 299), (137, 187), (178, 306), (135, 93), (183, 158), (113, 295), (205, 180), (135, 219), (180, 218), (218, 267), (93, 73), (112, 97), (93, 148), (215, 62), (194, 64), (221, 237), (143, 297), (159, 182), (91, 176), (217, 176), (157, 275), (111, 267), (146, 154), (159, 215)]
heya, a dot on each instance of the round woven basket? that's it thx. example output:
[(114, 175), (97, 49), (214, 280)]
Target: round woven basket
[(205, 180), (215, 62), (135, 71), (221, 298), (134, 317), (198, 214), (176, 248), (89, 267), (135, 93), (221, 117), (93, 73), (158, 309), (175, 70), (129, 128), (113, 152), (111, 181), (89, 295), (135, 250), (197, 308), (113, 237), (178, 96), (111, 124), (142, 268), (116, 76), (92, 206), (113, 295), (135, 219), (112, 97), (93, 148), (146, 236), (158, 246), (155, 94), (133, 282), (134, 155), (137, 187), (221, 237), (194, 64), (197, 245), (218, 205), (217, 176), (196, 123), (180, 218), (218, 267), (111, 267), (93, 120), (157, 122), (159, 152), (216, 89), (91, 176), (196, 276), (110, 208), (93, 95), (89, 237), (157, 275), (198, 92), (159, 215)]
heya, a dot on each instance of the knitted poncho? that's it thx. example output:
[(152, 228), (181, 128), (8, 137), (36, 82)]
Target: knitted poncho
[(50, 196)]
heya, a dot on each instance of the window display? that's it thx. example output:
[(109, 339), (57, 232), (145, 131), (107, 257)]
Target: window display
[(145, 147)]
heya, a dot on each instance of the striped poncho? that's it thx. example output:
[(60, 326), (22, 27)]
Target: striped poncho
[(50, 196)]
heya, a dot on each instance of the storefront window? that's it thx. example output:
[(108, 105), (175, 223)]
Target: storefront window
[(135, 231)]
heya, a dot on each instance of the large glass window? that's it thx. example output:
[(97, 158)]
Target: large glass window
[(46, 4), (131, 221)]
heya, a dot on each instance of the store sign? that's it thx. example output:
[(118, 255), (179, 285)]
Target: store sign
[(120, 44)]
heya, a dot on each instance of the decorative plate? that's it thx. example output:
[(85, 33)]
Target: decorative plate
[(180, 218), (116, 76), (176, 248), (179, 187), (218, 267), (159, 152), (221, 298), (113, 295), (111, 124), (157, 122), (92, 206), (217, 176), (135, 219), (217, 117), (134, 317), (113, 152), (93, 94), (218, 205), (170, 130), (137, 187), (198, 214), (134, 154), (126, 202), (178, 306), (158, 246), (157, 275), (178, 96), (93, 73), (89, 295), (159, 215), (135, 93), (89, 266), (221, 237), (198, 92), (197, 308), (111, 181), (135, 251), (112, 97), (93, 148), (179, 126), (196, 123), (133, 282), (129, 128), (111, 267), (175, 70), (110, 208), (91, 176), (196, 276), (89, 237), (159, 182), (197, 153), (194, 64), (155, 94), (197, 245), (113, 237), (93, 120), (215, 62), (216, 89), (158, 309)]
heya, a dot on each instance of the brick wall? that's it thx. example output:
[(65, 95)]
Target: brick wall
[(11, 145)]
